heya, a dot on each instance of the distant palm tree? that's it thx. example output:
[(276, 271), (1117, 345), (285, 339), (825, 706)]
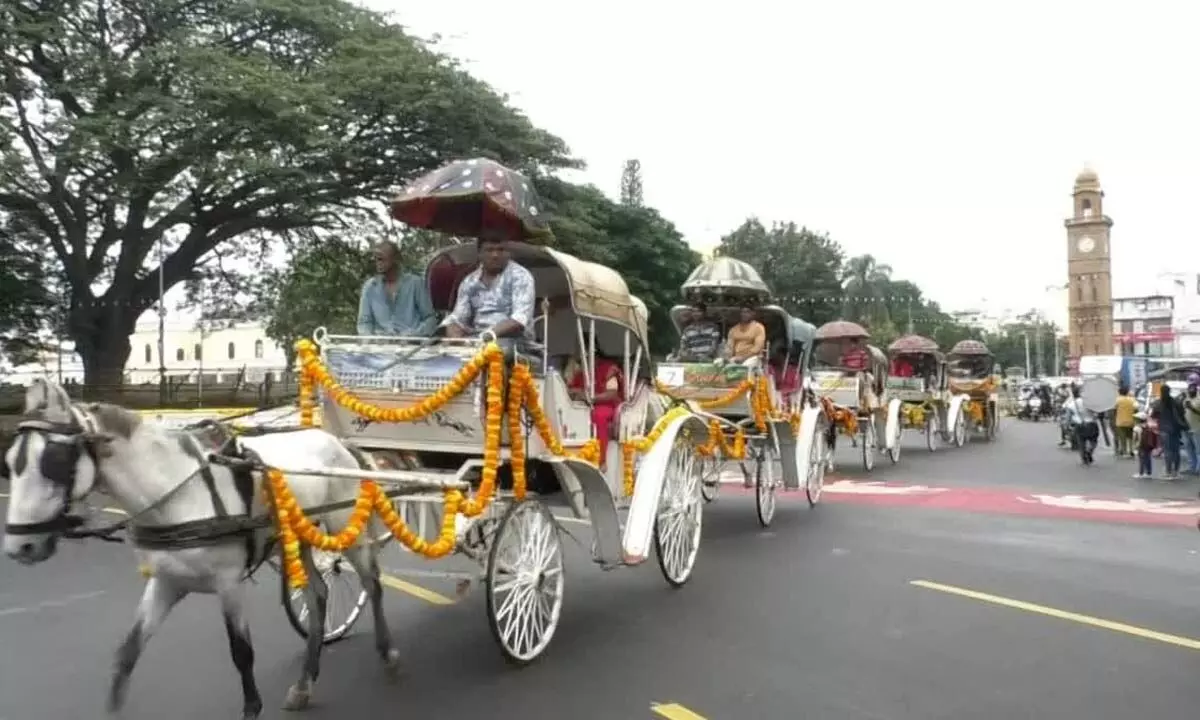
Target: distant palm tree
[(865, 284)]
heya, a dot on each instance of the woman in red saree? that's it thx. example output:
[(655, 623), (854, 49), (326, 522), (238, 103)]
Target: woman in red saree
[(609, 391)]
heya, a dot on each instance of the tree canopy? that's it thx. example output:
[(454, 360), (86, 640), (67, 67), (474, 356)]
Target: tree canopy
[(202, 128)]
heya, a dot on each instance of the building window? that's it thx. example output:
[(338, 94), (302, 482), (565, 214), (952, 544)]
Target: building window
[(179, 355), (1079, 290), (1092, 290), (1086, 206), (149, 356), (258, 349), (197, 352), (230, 351)]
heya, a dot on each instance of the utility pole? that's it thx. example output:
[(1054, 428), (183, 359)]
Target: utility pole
[(162, 332), (1041, 356), (1028, 368)]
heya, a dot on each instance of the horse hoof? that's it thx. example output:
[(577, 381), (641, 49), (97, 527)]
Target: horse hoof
[(116, 695), (391, 662), (297, 699)]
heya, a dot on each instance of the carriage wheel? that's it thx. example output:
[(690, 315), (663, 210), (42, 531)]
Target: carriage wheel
[(894, 451), (960, 427), (346, 597), (680, 516), (815, 482), (525, 581), (766, 487), (710, 477), (870, 445), (932, 431)]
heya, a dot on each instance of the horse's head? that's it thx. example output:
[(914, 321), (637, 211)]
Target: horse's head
[(51, 463)]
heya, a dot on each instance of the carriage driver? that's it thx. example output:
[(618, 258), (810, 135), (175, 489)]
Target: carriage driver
[(394, 302), (700, 340), (498, 296)]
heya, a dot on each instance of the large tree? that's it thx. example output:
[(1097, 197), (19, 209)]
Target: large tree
[(802, 267), (635, 241), (187, 126), (28, 291)]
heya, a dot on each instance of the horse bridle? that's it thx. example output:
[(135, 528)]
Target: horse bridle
[(65, 444)]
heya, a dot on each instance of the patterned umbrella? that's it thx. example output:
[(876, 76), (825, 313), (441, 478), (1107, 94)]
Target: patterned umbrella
[(841, 330), (470, 197), (726, 275), (970, 347), (913, 344)]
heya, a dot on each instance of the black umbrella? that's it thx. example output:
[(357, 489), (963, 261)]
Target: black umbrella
[(472, 198)]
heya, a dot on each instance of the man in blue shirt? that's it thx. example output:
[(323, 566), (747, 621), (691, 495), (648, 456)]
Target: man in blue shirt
[(394, 303)]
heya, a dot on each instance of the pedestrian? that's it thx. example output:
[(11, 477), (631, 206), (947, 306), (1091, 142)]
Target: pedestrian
[(1145, 438), (1191, 412), (1170, 427), (1123, 423)]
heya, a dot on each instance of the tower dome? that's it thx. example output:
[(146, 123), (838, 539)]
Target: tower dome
[(1087, 178)]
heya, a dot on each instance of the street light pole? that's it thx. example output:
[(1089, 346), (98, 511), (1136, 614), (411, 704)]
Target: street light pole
[(162, 331)]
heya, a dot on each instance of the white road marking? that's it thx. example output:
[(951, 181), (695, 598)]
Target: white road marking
[(48, 604)]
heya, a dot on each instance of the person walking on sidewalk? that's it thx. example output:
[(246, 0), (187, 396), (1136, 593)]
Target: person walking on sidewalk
[(1145, 438), (1191, 413), (1123, 423)]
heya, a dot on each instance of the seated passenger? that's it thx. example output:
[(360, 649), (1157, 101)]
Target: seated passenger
[(855, 356), (785, 373), (497, 297), (608, 389), (700, 340), (902, 367), (747, 339), (392, 302)]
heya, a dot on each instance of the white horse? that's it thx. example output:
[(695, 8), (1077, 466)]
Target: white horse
[(187, 517)]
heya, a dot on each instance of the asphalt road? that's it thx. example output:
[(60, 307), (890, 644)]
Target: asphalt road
[(842, 612)]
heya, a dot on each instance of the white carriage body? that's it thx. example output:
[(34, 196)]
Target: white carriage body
[(841, 388)]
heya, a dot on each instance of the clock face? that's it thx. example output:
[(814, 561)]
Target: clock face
[(1086, 244)]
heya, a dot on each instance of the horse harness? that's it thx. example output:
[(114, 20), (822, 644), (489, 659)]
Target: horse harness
[(65, 445)]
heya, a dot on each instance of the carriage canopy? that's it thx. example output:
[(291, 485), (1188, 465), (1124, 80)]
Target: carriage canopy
[(724, 277), (842, 330), (970, 347), (914, 345)]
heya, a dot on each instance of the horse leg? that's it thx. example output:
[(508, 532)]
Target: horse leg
[(366, 563), (158, 598), (316, 595), (242, 650)]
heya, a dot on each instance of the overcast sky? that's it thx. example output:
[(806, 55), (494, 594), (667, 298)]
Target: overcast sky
[(942, 137)]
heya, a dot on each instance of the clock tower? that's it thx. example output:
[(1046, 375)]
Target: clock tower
[(1089, 271)]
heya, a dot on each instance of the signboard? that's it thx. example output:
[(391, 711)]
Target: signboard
[(1156, 336)]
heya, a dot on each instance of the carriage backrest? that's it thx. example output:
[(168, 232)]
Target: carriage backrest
[(585, 291)]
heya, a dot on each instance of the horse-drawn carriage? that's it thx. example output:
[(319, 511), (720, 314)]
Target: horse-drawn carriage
[(490, 437), (855, 400), (974, 388), (918, 380), (756, 408)]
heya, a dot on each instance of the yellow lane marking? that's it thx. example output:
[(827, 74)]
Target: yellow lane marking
[(416, 591), (109, 510), (675, 711), (1111, 625)]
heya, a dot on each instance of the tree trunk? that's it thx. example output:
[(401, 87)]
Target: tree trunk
[(101, 337)]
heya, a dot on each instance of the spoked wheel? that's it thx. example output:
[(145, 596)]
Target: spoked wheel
[(870, 445), (815, 481), (710, 477), (680, 516), (765, 486), (894, 451), (345, 603), (960, 428), (932, 431), (525, 581)]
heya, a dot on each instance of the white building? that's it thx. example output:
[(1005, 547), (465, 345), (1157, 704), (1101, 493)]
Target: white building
[(219, 354), (1165, 323)]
